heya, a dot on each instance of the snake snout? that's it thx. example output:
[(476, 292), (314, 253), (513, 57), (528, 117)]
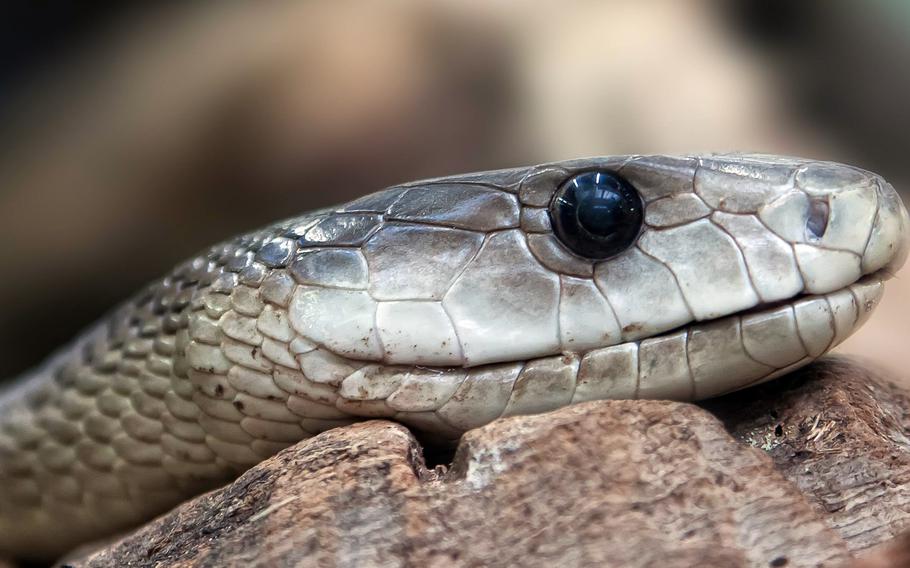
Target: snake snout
[(889, 240), (843, 223)]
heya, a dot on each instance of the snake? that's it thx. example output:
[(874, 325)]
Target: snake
[(444, 304)]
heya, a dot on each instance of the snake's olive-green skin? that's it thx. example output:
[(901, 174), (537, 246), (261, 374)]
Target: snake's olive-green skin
[(443, 304)]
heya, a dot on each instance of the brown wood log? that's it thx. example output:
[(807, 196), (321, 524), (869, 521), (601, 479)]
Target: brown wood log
[(799, 472), (839, 432)]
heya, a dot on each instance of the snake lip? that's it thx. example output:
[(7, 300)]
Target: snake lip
[(881, 275)]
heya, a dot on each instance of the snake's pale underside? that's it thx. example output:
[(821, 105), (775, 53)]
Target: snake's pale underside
[(445, 304)]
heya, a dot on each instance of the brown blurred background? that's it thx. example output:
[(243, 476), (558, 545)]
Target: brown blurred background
[(134, 136)]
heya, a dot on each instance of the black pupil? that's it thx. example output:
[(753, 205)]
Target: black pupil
[(596, 214)]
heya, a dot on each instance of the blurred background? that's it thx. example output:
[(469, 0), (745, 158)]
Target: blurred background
[(133, 136)]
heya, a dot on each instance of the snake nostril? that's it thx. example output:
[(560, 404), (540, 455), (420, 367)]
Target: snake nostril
[(817, 218)]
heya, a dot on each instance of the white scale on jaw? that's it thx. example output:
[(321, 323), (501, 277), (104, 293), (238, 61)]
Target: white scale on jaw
[(445, 304)]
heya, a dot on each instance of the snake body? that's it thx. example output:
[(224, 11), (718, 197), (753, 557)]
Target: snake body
[(443, 304)]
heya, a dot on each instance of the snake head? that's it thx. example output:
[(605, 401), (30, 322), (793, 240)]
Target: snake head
[(446, 303), (470, 270)]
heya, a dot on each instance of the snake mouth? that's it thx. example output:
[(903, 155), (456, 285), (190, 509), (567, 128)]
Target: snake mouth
[(881, 276), (759, 344), (696, 361)]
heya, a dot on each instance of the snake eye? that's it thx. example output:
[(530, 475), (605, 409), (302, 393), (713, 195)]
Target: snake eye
[(596, 214)]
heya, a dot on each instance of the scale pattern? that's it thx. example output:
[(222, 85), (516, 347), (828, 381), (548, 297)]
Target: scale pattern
[(443, 304)]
